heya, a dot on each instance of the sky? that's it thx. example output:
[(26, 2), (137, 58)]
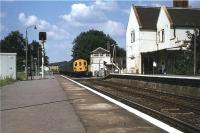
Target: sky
[(64, 20)]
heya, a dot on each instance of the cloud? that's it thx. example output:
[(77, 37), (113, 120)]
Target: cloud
[(94, 16), (53, 31), (106, 5), (81, 13)]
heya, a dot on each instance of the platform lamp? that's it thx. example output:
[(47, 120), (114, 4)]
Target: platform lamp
[(26, 67)]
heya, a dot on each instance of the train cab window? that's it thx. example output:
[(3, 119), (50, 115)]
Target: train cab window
[(75, 63), (84, 63), (80, 63)]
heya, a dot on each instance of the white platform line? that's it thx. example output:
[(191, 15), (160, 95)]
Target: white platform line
[(144, 116)]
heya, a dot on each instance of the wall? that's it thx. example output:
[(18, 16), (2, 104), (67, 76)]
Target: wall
[(8, 65), (173, 89), (96, 62), (132, 49)]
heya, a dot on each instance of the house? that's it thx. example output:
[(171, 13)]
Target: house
[(140, 35), (8, 65), (155, 34), (98, 58), (172, 27)]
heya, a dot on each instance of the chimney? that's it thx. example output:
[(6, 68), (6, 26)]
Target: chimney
[(180, 3)]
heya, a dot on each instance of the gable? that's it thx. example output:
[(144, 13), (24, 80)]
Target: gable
[(100, 50)]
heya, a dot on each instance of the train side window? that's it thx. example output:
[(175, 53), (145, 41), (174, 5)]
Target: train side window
[(80, 63)]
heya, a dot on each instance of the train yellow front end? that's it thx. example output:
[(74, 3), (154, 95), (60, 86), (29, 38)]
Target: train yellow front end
[(80, 66)]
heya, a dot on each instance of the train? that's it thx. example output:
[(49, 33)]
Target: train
[(80, 66)]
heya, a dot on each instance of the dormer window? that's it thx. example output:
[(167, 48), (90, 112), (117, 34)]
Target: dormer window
[(161, 35), (132, 36)]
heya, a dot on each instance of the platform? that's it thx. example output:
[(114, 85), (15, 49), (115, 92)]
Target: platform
[(101, 116), (37, 106)]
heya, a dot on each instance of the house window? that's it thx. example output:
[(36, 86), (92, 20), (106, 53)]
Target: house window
[(96, 54), (107, 55), (161, 35), (132, 36)]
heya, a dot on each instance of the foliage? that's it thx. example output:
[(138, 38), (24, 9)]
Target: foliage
[(14, 43), (6, 81), (88, 41), (185, 58), (34, 49)]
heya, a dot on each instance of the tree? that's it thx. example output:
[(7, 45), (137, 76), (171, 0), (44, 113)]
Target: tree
[(15, 43), (191, 47), (33, 49), (88, 41), (185, 58)]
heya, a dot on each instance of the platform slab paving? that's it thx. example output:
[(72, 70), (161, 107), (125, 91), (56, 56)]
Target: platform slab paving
[(37, 106), (101, 116)]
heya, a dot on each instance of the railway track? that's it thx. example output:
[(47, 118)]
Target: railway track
[(178, 111)]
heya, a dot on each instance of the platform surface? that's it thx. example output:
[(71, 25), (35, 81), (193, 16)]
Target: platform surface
[(37, 106), (101, 116)]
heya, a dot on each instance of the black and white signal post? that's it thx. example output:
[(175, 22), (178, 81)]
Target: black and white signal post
[(42, 38)]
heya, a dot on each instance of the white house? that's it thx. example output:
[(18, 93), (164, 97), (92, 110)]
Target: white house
[(172, 25), (140, 35), (8, 65), (154, 33), (98, 57)]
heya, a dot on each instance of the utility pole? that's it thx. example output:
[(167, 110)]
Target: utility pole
[(26, 64), (42, 44), (26, 67), (195, 50), (38, 59)]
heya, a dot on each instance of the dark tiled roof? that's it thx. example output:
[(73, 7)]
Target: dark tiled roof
[(184, 17), (148, 16)]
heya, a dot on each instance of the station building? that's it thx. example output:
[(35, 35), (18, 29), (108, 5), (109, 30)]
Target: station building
[(155, 33)]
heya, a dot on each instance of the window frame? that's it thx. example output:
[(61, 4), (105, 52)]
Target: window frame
[(132, 36)]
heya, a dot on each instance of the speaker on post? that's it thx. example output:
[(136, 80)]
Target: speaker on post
[(42, 36)]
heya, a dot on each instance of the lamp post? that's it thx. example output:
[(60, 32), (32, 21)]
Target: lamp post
[(99, 67), (114, 53), (26, 67)]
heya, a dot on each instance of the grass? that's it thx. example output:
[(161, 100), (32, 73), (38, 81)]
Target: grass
[(6, 81)]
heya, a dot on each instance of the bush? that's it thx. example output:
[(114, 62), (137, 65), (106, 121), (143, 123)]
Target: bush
[(21, 76)]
